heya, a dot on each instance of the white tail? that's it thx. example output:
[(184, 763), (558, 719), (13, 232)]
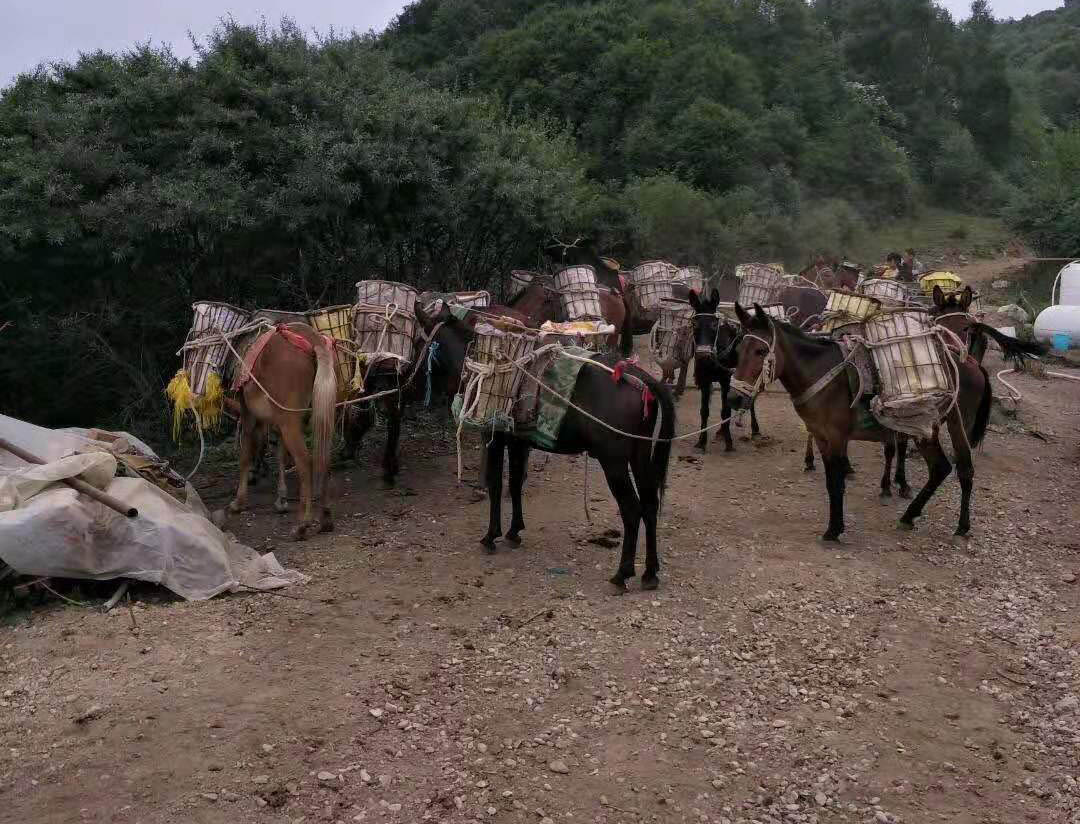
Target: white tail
[(323, 403)]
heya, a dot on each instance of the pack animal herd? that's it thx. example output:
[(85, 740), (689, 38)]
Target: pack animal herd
[(618, 413)]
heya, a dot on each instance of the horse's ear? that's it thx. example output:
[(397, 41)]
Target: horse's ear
[(939, 297), (759, 315), (715, 299), (743, 316), (695, 301), (965, 297)]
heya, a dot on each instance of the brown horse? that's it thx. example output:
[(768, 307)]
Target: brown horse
[(953, 312), (540, 302), (294, 371), (772, 349)]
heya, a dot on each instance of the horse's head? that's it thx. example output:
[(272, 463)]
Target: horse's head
[(952, 311), (446, 353), (759, 358), (714, 336)]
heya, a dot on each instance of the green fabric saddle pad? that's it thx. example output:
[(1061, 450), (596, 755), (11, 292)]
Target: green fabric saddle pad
[(561, 376), (864, 418)]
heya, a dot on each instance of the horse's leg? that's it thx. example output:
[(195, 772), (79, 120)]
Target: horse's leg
[(680, 387), (938, 467), (705, 384), (281, 503), (965, 469), (358, 422), (809, 453), (903, 490), (519, 461), (890, 453), (292, 433), (725, 411), (258, 464), (249, 442), (835, 459), (617, 472), (393, 434), (494, 477), (649, 496), (755, 430)]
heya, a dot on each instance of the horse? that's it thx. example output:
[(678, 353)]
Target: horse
[(598, 405), (953, 312), (293, 370), (715, 341), (540, 302), (804, 363)]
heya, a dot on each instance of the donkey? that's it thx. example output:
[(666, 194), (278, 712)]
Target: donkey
[(598, 405), (803, 364), (715, 356), (953, 312), (293, 370)]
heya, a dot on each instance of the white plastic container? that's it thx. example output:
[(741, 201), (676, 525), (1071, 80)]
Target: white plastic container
[(1058, 320), (1068, 285)]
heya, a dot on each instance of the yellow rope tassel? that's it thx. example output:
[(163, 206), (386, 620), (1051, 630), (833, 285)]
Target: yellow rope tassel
[(183, 399), (212, 403)]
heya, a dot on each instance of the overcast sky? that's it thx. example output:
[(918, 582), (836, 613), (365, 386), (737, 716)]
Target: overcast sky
[(33, 31)]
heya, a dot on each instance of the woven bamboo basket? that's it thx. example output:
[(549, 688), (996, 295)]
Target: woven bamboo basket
[(887, 292), (520, 279), (857, 307), (211, 319), (777, 311), (652, 294), (588, 334), (672, 336), (693, 277), (839, 325), (908, 357), (726, 311), (492, 383), (946, 280), (385, 326), (385, 293), (759, 283), (473, 300), (337, 322), (578, 293), (653, 270)]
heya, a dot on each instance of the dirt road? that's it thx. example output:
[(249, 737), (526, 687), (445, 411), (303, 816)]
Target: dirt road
[(898, 677)]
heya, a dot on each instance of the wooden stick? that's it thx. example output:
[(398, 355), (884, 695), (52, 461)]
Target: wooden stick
[(75, 483), (112, 602)]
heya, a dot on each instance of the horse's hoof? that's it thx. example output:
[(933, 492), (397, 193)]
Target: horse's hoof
[(729, 447), (388, 482), (962, 532), (885, 493), (650, 582), (281, 506), (809, 468), (831, 537), (703, 447), (513, 538), (237, 506), (618, 585), (326, 526), (905, 492), (488, 543), (905, 526), (300, 532)]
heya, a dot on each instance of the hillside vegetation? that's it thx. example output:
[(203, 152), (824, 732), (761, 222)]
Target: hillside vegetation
[(276, 170)]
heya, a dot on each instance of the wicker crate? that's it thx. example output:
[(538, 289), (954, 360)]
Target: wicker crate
[(337, 322), (472, 300), (672, 338), (908, 356), (384, 339), (492, 382), (588, 334), (520, 280), (887, 292), (946, 280), (211, 320), (857, 307), (652, 270), (759, 283), (693, 277), (777, 311), (387, 293), (652, 294), (578, 293), (840, 325)]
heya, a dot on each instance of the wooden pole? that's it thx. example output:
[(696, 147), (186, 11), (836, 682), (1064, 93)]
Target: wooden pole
[(75, 483)]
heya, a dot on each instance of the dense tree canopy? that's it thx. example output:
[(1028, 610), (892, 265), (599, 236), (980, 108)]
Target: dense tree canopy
[(274, 170)]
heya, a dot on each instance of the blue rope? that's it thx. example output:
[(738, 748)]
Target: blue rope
[(432, 359)]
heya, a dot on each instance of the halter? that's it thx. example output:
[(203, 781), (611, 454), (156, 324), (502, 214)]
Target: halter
[(721, 321), (768, 368)]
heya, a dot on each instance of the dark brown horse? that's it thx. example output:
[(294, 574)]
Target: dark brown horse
[(953, 311), (772, 349), (599, 404)]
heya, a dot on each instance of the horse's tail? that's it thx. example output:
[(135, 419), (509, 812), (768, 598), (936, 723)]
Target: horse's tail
[(626, 335), (1012, 348), (982, 416), (323, 407), (661, 455)]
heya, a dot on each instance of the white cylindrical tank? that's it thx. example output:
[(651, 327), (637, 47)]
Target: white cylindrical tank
[(1068, 281), (1056, 320)]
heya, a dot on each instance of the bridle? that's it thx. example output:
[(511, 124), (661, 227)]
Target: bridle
[(721, 321), (768, 367)]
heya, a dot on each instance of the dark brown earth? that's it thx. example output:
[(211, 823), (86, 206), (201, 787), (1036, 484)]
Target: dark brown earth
[(898, 677)]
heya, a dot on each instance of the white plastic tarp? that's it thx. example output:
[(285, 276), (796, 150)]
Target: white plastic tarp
[(49, 529)]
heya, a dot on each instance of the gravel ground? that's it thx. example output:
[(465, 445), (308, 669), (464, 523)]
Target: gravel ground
[(897, 677)]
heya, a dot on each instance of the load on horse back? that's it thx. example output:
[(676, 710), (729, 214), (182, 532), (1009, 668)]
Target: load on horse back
[(612, 412), (815, 372)]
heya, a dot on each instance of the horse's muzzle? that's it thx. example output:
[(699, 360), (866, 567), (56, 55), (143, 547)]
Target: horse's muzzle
[(737, 402), (705, 351)]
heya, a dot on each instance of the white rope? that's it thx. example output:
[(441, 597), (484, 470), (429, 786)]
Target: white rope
[(1014, 393)]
